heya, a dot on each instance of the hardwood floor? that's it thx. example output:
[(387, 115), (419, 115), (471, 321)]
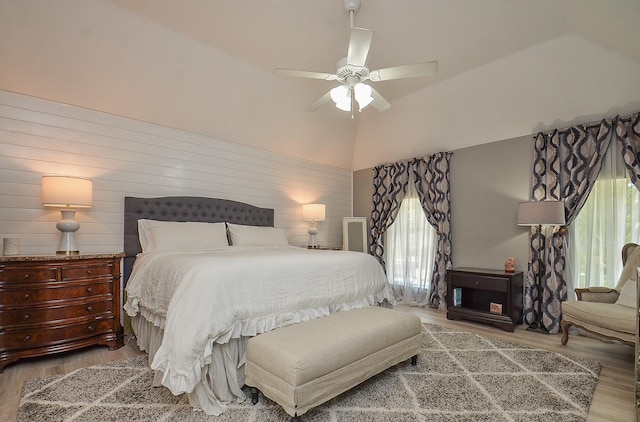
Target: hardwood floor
[(613, 399), (14, 375)]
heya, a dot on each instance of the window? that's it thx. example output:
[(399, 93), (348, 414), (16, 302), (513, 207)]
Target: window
[(410, 246), (609, 219)]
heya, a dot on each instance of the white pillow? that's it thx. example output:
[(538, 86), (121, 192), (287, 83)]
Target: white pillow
[(166, 236), (144, 230), (257, 236), (628, 295)]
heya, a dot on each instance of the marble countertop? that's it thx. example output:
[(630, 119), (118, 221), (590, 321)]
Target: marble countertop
[(27, 258)]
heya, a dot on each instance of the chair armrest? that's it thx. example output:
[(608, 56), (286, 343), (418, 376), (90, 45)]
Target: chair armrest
[(597, 294)]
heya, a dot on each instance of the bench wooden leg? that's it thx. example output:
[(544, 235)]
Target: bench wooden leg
[(414, 360), (254, 395)]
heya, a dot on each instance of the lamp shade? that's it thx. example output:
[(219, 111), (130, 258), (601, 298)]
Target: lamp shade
[(66, 192), (313, 212), (541, 213)]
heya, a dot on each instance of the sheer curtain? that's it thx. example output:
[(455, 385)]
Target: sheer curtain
[(609, 218), (410, 250)]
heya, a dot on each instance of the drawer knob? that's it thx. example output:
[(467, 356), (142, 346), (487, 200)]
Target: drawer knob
[(89, 290), (26, 296), (26, 339), (90, 328), (89, 272), (90, 308), (26, 276), (26, 317)]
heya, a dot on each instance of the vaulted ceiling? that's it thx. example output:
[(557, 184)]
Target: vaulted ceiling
[(507, 68)]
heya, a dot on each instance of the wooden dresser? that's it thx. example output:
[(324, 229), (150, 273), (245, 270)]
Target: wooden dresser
[(53, 304)]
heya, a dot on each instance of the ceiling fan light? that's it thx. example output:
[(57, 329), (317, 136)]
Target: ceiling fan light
[(340, 96), (363, 103), (344, 105), (362, 92)]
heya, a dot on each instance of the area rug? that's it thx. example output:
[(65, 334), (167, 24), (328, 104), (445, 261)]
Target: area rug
[(459, 377)]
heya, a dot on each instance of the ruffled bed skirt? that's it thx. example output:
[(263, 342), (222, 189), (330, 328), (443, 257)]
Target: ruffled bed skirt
[(221, 379)]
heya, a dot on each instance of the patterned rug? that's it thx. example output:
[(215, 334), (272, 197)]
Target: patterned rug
[(459, 377)]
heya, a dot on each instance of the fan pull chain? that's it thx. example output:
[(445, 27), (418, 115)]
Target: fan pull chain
[(353, 102)]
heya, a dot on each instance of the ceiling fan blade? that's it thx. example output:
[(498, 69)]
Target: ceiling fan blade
[(406, 71), (319, 102), (379, 102), (359, 44), (305, 74)]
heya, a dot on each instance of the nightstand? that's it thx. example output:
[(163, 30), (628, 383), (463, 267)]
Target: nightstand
[(53, 304), (490, 296)]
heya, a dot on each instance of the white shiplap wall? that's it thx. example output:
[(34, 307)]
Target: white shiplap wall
[(126, 157)]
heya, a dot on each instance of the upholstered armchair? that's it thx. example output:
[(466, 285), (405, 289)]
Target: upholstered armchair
[(608, 313)]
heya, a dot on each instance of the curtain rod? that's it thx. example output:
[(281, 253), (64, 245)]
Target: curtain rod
[(592, 125), (595, 125), (410, 160)]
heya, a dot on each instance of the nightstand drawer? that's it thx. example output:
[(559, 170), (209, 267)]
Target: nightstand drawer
[(26, 274), (22, 339), (499, 284), (31, 315), (87, 271), (33, 295)]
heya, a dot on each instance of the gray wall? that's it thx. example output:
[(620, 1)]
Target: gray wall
[(487, 182)]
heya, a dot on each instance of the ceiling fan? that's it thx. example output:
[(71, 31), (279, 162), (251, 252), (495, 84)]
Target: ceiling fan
[(353, 71)]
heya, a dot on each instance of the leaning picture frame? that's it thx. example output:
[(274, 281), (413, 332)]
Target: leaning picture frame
[(354, 234)]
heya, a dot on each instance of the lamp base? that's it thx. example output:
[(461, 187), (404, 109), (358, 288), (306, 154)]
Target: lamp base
[(67, 227), (313, 242), (313, 239), (68, 253)]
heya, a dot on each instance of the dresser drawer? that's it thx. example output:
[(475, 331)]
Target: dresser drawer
[(34, 294), (54, 304), (31, 315), (93, 270), (26, 274), (499, 284), (22, 339)]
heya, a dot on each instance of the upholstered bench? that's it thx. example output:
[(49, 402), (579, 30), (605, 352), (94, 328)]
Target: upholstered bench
[(304, 365)]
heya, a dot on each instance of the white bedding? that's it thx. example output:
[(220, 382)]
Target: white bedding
[(205, 299)]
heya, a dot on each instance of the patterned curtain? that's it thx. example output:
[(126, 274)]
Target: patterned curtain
[(390, 182), (566, 166), (432, 184), (628, 136)]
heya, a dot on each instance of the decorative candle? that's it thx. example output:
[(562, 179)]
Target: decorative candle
[(10, 246)]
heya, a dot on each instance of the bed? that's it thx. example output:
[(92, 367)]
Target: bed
[(194, 300)]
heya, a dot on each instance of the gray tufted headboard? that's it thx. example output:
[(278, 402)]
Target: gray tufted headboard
[(184, 208)]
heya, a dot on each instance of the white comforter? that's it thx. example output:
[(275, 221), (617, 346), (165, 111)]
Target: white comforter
[(211, 297)]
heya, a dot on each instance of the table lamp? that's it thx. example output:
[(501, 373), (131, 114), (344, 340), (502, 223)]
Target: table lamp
[(67, 193), (313, 213)]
